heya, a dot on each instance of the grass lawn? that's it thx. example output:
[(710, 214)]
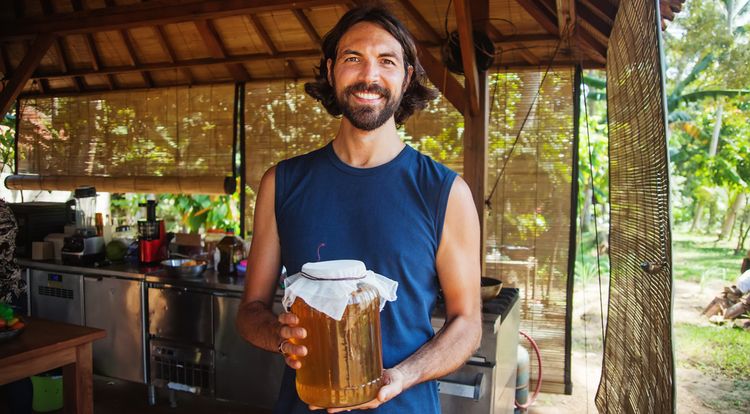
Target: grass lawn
[(715, 350), (698, 258)]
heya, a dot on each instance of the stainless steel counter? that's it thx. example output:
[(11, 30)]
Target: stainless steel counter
[(209, 280)]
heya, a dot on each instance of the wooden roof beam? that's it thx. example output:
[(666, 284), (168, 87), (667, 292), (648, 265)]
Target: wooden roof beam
[(133, 57), (595, 21), (5, 62), (255, 57), (466, 40), (421, 22), (216, 49), (603, 9), (541, 14), (263, 34), (592, 47), (500, 42), (308, 26), (145, 14), (566, 17), (23, 72), (161, 37), (442, 79)]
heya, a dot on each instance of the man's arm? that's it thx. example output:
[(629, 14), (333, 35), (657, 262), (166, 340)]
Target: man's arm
[(255, 320), (459, 271)]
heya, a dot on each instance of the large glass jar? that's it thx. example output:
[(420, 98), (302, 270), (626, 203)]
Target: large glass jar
[(338, 302), (344, 363)]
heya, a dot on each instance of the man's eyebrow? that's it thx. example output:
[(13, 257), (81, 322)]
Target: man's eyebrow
[(384, 54)]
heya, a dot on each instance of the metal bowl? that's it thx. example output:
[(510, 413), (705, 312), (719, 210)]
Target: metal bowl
[(490, 288), (186, 268)]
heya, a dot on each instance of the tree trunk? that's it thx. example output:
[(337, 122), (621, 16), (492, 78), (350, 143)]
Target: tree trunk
[(728, 225), (717, 129), (588, 195), (697, 216)]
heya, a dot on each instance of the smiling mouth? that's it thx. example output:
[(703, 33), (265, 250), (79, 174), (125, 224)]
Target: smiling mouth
[(367, 96)]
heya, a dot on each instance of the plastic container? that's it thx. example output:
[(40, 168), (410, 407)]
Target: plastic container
[(339, 304), (48, 393)]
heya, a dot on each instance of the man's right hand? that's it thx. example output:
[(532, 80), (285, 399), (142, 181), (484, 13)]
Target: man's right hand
[(290, 335)]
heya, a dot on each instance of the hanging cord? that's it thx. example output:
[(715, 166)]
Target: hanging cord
[(538, 387), (596, 231), (488, 200), (585, 325)]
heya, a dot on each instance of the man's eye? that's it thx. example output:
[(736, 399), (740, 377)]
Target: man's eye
[(351, 59), (388, 62)]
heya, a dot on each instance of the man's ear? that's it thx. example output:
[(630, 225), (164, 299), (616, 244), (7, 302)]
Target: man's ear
[(329, 66), (409, 74)]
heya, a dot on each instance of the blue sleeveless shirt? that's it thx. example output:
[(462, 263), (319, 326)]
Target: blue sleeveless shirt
[(390, 217)]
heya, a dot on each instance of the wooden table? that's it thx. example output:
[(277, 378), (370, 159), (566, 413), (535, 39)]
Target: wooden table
[(45, 345)]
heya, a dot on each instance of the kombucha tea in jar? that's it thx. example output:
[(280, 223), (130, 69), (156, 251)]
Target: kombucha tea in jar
[(338, 303)]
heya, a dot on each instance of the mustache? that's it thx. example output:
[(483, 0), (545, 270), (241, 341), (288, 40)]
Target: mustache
[(372, 88)]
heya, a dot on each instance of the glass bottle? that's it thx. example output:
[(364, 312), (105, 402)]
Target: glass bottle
[(344, 364), (231, 251)]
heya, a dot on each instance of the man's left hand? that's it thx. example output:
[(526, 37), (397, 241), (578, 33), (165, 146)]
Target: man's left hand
[(393, 385)]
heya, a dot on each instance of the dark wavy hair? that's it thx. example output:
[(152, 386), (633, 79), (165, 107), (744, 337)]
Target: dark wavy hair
[(417, 94)]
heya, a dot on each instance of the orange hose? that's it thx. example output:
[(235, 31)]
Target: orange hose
[(532, 399)]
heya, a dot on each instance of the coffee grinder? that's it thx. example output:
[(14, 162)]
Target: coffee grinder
[(85, 246), (152, 236)]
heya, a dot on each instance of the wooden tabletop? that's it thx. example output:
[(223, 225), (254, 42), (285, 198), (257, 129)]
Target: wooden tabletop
[(42, 336)]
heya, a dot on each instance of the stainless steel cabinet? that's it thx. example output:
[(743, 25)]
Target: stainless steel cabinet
[(243, 372), (116, 305), (56, 296), (180, 314)]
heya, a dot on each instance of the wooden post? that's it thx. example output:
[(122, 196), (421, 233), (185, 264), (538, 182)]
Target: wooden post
[(475, 155), (23, 72)]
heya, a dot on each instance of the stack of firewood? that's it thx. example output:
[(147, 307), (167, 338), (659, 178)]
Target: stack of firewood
[(730, 306)]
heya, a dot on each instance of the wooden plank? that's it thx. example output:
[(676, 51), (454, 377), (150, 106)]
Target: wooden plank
[(604, 9), (595, 21), (264, 37), (216, 49), (466, 40), (255, 57), (587, 40), (547, 20), (308, 26), (23, 72), (444, 81), (423, 24), (566, 17), (133, 57), (161, 37), (146, 14), (25, 368)]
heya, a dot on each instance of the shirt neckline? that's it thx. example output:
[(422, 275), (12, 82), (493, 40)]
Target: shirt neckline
[(341, 165)]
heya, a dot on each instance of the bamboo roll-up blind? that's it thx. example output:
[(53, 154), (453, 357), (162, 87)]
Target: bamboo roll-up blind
[(638, 365), (167, 132), (282, 121), (528, 226)]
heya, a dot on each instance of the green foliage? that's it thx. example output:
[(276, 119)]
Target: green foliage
[(8, 140)]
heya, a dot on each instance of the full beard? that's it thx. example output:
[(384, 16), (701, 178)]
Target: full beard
[(367, 118)]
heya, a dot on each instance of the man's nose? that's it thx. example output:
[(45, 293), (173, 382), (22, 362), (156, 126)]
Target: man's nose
[(370, 72)]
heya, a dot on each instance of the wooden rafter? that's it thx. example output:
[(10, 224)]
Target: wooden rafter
[(216, 49), (442, 79), (466, 40), (590, 46), (421, 22), (255, 57), (7, 67), (93, 52), (566, 17), (501, 41), (308, 26), (23, 72), (263, 34), (541, 14), (146, 14), (133, 57), (161, 37), (601, 8), (595, 21)]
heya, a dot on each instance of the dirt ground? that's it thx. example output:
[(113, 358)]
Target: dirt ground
[(697, 393)]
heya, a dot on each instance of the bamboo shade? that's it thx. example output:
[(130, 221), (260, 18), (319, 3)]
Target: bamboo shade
[(638, 368), (282, 121), (167, 132), (528, 225)]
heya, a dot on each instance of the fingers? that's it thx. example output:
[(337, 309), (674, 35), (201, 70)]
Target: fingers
[(292, 332), (292, 350), (287, 318)]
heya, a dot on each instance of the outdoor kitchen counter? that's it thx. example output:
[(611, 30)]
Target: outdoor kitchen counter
[(209, 280)]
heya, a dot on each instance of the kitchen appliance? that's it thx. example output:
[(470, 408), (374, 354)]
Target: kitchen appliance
[(37, 219), (486, 383), (152, 236), (85, 246), (56, 296)]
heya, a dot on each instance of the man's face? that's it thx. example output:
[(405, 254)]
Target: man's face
[(368, 75)]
